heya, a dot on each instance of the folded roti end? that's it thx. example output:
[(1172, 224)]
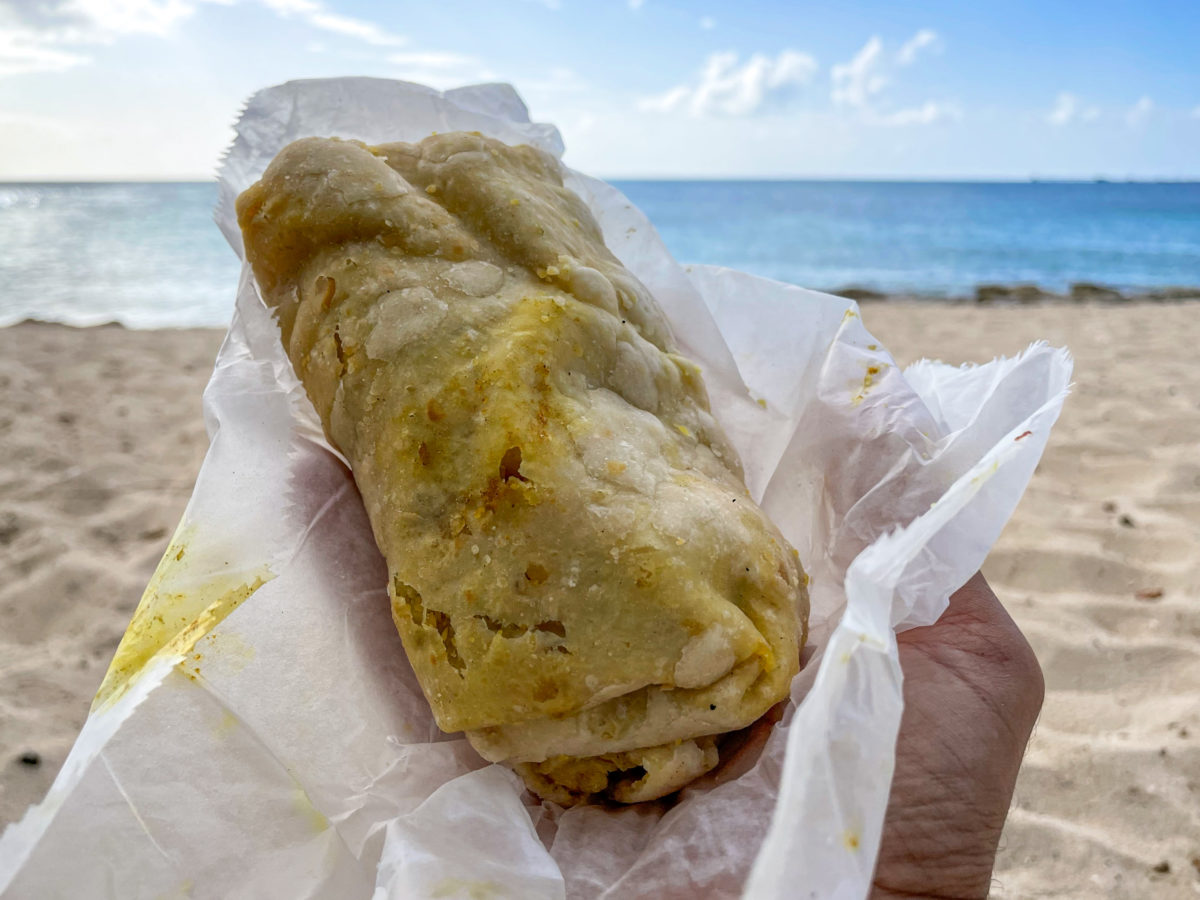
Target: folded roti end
[(630, 777)]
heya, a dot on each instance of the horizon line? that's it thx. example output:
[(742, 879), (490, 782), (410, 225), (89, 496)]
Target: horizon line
[(878, 179)]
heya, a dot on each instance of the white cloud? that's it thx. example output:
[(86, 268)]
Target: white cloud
[(1068, 108), (859, 84), (356, 28), (666, 102), (23, 51), (923, 39), (1139, 112), (313, 13), (45, 36), (708, 23), (92, 21), (857, 81), (725, 88), (636, 4), (153, 17), (1196, 113), (727, 85), (927, 113)]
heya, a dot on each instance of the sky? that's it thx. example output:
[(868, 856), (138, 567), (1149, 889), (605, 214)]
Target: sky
[(149, 89)]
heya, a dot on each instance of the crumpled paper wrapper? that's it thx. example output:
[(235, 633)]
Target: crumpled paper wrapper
[(260, 733)]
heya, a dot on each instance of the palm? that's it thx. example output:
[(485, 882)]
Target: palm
[(972, 692)]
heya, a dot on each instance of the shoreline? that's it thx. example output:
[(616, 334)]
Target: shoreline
[(1023, 293), (1081, 293)]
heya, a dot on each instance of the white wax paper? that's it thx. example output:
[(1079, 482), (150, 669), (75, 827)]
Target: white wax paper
[(277, 745)]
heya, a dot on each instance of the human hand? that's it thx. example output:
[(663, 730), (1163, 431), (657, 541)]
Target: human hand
[(972, 692)]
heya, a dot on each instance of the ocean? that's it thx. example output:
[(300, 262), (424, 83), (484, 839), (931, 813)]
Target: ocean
[(148, 255)]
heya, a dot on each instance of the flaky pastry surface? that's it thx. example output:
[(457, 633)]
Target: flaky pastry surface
[(580, 579)]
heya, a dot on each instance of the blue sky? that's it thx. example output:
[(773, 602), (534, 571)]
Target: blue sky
[(148, 88)]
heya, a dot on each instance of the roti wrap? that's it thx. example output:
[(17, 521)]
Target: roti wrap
[(582, 582)]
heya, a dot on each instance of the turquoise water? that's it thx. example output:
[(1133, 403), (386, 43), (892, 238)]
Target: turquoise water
[(934, 238), (148, 254)]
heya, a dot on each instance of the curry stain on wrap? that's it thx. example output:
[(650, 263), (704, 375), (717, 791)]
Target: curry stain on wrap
[(873, 371), (303, 805), (173, 615), (469, 888), (226, 647), (225, 726), (183, 890)]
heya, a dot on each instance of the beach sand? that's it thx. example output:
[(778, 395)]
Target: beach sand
[(101, 437), (1100, 566)]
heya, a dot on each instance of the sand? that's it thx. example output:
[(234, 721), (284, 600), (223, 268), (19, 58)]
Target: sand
[(1108, 802), (101, 436)]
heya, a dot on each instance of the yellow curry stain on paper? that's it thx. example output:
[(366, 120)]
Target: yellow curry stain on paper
[(986, 473), (226, 725), (304, 806), (183, 891), (233, 652), (171, 618), (468, 889), (868, 382)]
